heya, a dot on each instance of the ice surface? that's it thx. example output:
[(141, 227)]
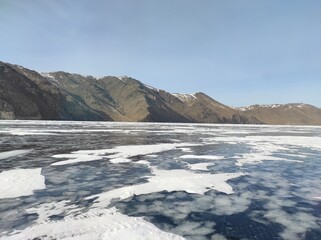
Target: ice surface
[(200, 166), (14, 153), (119, 154), (20, 182), (120, 160), (24, 132), (21, 132), (254, 158), (218, 237), (170, 174), (207, 157), (295, 224), (95, 224), (171, 180), (265, 148), (75, 158)]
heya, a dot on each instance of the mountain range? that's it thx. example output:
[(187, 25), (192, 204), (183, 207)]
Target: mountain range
[(27, 94)]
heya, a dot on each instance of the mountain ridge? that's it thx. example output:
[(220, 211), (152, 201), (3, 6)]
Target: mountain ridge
[(27, 94)]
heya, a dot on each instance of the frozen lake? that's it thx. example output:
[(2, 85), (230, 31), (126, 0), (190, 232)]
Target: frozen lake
[(100, 180)]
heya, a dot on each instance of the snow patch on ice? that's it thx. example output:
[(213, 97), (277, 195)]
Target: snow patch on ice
[(100, 224), (295, 224), (264, 148), (46, 210), (206, 157), (75, 158), (23, 132), (200, 166), (218, 237), (20, 182), (255, 158), (14, 153), (171, 180), (119, 154), (144, 162), (120, 160)]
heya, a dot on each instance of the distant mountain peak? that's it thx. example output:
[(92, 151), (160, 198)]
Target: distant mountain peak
[(271, 106)]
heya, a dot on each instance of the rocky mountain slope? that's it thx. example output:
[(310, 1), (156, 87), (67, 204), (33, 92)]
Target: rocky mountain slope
[(290, 114), (26, 94)]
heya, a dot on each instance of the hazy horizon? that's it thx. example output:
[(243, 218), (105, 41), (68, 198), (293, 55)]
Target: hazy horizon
[(239, 53)]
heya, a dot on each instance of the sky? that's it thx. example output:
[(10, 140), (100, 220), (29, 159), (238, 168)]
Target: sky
[(239, 52)]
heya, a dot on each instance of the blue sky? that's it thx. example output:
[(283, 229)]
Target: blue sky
[(240, 52)]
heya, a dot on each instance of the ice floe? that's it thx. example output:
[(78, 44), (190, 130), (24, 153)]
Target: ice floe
[(20, 182)]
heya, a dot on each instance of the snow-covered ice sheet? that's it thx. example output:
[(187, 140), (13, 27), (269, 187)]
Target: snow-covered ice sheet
[(120, 154), (21, 132), (95, 224), (200, 166), (20, 182), (255, 158), (171, 180), (185, 179)]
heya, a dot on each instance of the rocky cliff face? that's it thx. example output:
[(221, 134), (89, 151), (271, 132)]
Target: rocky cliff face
[(26, 94)]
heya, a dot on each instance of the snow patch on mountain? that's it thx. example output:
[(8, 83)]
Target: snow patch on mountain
[(185, 97), (152, 88), (271, 106), (50, 77), (122, 78)]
